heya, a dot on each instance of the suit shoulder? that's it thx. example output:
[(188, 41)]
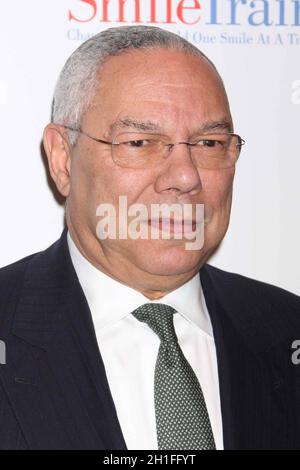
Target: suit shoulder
[(239, 289), (263, 313), (11, 277), (12, 271)]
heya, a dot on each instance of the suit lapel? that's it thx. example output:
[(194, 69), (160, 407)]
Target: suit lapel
[(224, 367), (252, 374), (54, 377)]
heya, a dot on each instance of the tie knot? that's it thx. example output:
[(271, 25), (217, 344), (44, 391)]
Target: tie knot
[(160, 319)]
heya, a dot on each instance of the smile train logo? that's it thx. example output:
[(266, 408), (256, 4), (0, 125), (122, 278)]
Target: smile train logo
[(181, 12)]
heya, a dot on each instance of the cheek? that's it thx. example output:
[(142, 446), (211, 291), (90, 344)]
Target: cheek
[(97, 179), (217, 195), (87, 184), (217, 187)]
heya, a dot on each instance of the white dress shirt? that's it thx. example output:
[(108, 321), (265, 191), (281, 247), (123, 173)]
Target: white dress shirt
[(129, 348)]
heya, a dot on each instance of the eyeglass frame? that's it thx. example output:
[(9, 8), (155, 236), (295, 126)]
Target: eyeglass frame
[(170, 145)]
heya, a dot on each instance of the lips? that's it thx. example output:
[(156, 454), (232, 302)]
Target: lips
[(174, 226)]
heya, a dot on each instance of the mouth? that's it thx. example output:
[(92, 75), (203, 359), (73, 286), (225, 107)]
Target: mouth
[(174, 226)]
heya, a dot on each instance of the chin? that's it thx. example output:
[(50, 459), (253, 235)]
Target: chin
[(170, 260)]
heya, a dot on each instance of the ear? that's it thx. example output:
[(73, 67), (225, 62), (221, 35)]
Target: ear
[(57, 148)]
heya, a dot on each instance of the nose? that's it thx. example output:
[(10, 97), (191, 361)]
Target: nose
[(179, 175)]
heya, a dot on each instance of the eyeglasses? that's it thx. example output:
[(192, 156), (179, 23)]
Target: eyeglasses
[(143, 150)]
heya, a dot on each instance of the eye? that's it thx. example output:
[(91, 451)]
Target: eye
[(211, 143), (136, 143)]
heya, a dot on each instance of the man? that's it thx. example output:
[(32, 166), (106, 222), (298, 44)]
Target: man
[(127, 342)]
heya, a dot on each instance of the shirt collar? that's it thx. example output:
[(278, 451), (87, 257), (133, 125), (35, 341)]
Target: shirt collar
[(110, 300)]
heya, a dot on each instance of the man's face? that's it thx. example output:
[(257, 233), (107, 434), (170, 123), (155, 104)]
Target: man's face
[(180, 94)]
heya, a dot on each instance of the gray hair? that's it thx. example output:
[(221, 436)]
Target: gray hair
[(79, 77)]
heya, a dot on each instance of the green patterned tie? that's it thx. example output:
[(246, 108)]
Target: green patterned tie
[(182, 421)]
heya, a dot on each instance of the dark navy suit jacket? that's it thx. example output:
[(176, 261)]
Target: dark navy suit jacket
[(54, 392)]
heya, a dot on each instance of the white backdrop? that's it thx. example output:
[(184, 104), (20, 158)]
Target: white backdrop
[(256, 47)]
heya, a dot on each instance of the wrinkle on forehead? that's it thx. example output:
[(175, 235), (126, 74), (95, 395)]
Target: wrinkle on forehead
[(158, 64), (146, 125), (159, 95)]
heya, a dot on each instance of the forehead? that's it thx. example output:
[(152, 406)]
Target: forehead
[(158, 85)]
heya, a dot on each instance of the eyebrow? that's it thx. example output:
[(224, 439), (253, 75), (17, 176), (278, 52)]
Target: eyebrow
[(223, 124), (128, 122)]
